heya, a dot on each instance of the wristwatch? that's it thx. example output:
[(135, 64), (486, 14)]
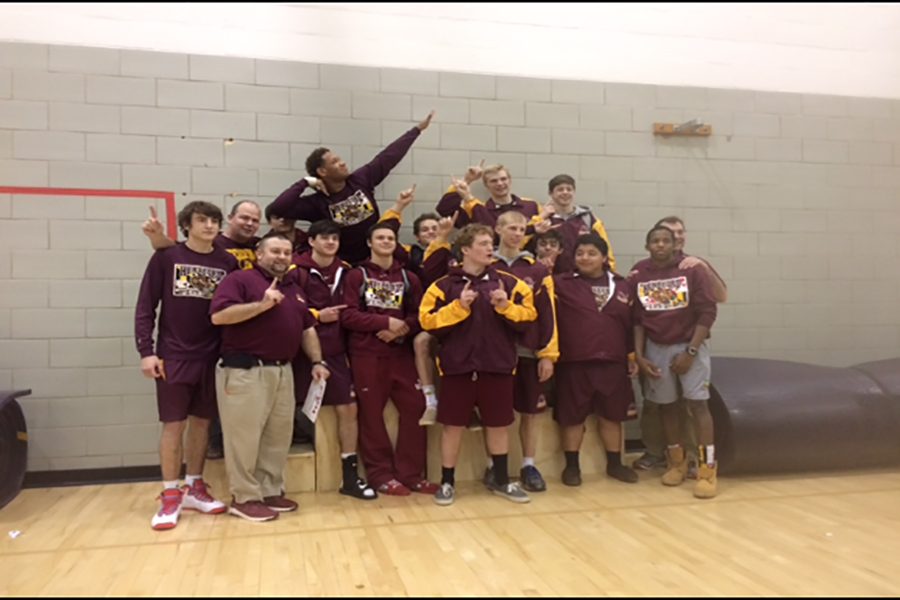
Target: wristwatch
[(321, 362), (691, 351)]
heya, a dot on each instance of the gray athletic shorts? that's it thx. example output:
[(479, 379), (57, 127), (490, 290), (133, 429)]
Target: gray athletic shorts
[(694, 383)]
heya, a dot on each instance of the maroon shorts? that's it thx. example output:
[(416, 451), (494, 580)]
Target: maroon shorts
[(338, 389), (492, 393), (598, 387), (527, 387), (189, 389)]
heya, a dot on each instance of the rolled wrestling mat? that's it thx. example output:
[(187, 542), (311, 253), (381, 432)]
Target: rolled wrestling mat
[(775, 415), (13, 445)]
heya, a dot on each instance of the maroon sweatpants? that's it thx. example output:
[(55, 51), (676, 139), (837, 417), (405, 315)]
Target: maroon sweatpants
[(377, 378)]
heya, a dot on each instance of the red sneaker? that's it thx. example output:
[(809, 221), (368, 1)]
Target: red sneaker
[(254, 510), (169, 511), (280, 503), (425, 487), (393, 488), (197, 497)]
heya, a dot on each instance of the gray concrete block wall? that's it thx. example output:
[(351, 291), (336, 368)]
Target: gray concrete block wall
[(795, 199)]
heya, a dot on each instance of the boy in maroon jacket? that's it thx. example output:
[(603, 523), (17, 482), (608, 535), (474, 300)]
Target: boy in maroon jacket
[(382, 299), (239, 238), (594, 327), (476, 312), (673, 315), (498, 181), (182, 279), (510, 230), (344, 197), (324, 287)]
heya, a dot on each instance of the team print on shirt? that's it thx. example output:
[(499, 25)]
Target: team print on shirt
[(244, 256), (384, 294), (196, 281), (601, 295), (664, 294), (355, 209)]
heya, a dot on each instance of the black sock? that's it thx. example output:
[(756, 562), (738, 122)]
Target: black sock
[(613, 458), (351, 473), (501, 469), (572, 460), (616, 470), (448, 475)]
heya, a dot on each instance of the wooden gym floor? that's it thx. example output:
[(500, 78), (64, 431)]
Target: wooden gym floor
[(831, 534)]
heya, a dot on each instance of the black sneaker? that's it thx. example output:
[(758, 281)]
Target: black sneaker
[(532, 480), (622, 473), (359, 489), (571, 476)]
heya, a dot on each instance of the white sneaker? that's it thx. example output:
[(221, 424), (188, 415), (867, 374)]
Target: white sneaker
[(197, 497), (429, 417), (444, 496), (167, 517)]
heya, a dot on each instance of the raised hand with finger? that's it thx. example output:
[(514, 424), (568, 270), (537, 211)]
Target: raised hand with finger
[(426, 121), (499, 298), (152, 226), (468, 295), (445, 227), (474, 172), (272, 296), (406, 197), (462, 188)]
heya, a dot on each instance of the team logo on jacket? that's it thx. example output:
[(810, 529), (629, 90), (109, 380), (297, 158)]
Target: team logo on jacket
[(601, 295), (664, 294), (384, 294), (355, 209), (196, 281)]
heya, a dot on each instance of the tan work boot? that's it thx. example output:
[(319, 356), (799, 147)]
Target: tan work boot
[(706, 486), (676, 468)]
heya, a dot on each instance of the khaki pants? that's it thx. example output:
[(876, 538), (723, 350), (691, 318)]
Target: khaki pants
[(256, 407)]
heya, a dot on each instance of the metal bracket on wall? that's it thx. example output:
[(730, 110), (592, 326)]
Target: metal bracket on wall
[(694, 127)]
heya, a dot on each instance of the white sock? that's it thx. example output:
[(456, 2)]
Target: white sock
[(528, 461), (710, 454), (490, 463), (170, 485), (431, 400), (190, 479), (346, 455)]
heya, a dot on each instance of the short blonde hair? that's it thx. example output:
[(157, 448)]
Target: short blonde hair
[(491, 169), (511, 216), (467, 235)]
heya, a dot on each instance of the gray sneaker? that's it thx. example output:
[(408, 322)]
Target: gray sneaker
[(444, 496), (512, 492), (648, 462), (488, 479)]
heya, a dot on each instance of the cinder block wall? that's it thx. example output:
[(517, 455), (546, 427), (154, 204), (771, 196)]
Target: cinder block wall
[(795, 199)]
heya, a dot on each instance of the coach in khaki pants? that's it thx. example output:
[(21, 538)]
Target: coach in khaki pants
[(266, 321)]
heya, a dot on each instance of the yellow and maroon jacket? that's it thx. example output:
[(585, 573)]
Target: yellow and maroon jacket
[(479, 338)]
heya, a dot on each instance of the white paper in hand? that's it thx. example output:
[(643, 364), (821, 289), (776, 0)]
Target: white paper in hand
[(313, 401)]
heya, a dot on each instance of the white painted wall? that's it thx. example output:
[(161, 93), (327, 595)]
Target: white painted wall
[(843, 49)]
